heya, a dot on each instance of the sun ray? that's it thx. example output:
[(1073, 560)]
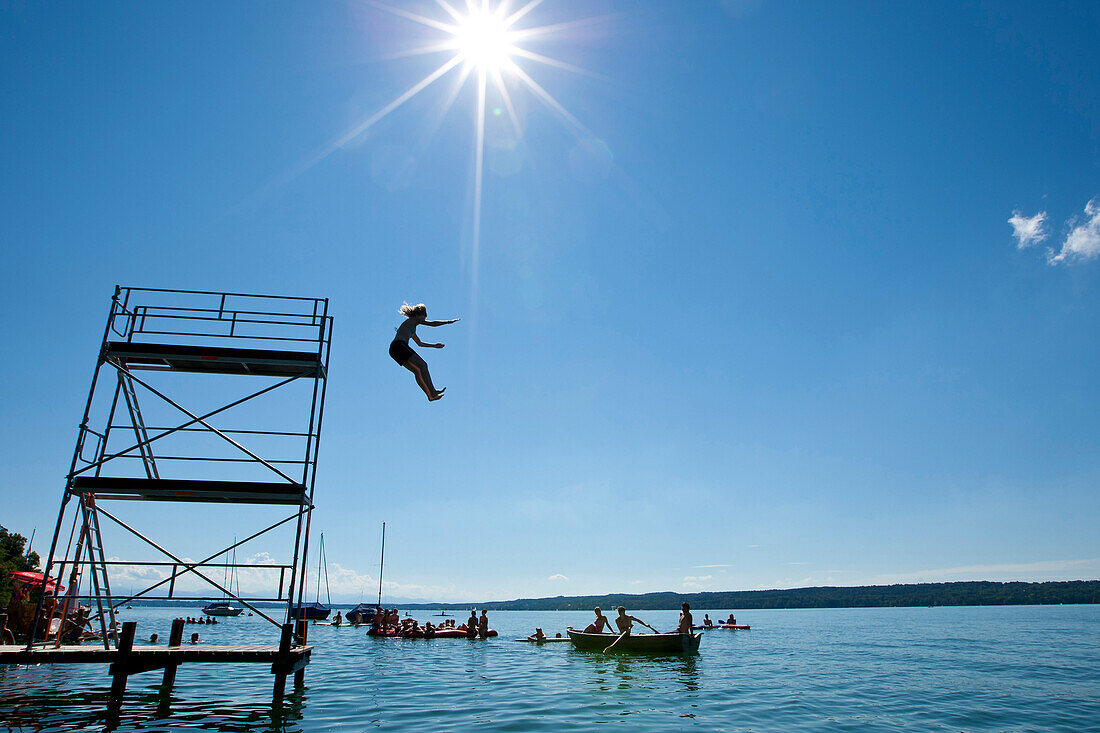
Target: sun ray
[(543, 30), (478, 164), (450, 10), (499, 79), (405, 97), (421, 50), (511, 19), (555, 63), (422, 20), (549, 100)]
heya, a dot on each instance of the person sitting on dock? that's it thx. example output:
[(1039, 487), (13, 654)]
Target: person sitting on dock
[(402, 353), (626, 623), (685, 619), (597, 626)]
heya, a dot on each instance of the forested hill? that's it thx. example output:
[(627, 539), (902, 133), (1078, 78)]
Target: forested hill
[(982, 593)]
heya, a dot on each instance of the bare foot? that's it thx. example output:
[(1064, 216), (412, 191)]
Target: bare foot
[(442, 390), (438, 396)]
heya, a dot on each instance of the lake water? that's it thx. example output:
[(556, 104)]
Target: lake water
[(920, 669)]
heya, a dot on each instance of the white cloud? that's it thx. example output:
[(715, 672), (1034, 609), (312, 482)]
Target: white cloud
[(695, 582), (557, 576), (1031, 571), (1028, 230), (1083, 241), (704, 567)]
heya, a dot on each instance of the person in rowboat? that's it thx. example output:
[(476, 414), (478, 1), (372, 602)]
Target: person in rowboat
[(402, 353), (626, 623), (597, 626), (685, 619)]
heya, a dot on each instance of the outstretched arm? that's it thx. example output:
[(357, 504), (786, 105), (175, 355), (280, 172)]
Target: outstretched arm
[(442, 323), (424, 343)]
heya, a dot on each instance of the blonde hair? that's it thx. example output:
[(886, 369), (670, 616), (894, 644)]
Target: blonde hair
[(413, 310)]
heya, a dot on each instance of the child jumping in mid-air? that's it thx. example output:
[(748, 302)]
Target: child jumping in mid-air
[(403, 354)]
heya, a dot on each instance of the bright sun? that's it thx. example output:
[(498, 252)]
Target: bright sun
[(483, 40)]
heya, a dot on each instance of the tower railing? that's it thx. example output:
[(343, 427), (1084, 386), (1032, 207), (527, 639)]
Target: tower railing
[(151, 337)]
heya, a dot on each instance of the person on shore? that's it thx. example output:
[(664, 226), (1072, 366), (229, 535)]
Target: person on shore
[(483, 624), (402, 353), (685, 619), (626, 623), (597, 626)]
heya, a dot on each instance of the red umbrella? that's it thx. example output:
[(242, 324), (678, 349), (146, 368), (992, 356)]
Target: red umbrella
[(34, 579)]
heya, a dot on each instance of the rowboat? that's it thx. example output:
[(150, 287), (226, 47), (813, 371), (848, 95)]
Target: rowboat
[(638, 643)]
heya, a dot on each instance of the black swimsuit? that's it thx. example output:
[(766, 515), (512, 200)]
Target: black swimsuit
[(400, 351)]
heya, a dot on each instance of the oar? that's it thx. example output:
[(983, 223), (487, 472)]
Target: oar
[(621, 637)]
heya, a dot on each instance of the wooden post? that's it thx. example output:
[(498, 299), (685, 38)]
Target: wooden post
[(281, 663), (120, 669), (300, 675), (175, 638)]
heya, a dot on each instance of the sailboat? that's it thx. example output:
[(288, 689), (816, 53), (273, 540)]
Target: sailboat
[(366, 613), (224, 607), (315, 610)]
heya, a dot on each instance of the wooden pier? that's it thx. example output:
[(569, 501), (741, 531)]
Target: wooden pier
[(126, 660)]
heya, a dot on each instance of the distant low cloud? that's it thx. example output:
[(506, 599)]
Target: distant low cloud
[(695, 582), (1083, 241), (557, 576), (1028, 230), (1031, 571), (705, 567)]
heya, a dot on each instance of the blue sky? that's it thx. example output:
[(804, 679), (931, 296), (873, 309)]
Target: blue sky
[(763, 322)]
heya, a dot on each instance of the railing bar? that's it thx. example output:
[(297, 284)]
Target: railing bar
[(225, 336), (216, 460), (215, 292)]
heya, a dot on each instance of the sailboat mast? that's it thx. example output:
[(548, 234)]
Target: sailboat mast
[(381, 564)]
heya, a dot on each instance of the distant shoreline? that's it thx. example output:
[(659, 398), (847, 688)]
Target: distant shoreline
[(963, 593)]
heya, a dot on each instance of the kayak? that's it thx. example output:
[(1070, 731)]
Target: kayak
[(547, 640), (637, 643), (742, 627)]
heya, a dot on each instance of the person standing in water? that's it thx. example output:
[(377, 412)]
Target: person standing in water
[(402, 353)]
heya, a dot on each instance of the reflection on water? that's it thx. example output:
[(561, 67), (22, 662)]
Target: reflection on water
[(965, 668)]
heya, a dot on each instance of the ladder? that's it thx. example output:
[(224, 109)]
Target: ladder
[(130, 394), (89, 538)]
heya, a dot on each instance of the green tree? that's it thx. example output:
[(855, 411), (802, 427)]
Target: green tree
[(13, 560)]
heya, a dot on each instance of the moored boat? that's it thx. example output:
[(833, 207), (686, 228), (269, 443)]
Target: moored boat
[(312, 611), (638, 643), (221, 608), (364, 613)]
